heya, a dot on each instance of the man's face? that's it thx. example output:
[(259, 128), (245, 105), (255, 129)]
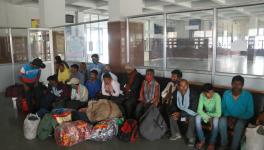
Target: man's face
[(209, 94), (107, 68), (74, 86), (73, 70), (61, 67), (95, 60), (174, 78), (82, 66), (129, 71), (107, 81), (183, 87), (237, 86), (52, 83), (93, 76)]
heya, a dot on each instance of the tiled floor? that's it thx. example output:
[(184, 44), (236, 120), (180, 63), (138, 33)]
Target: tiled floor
[(12, 138)]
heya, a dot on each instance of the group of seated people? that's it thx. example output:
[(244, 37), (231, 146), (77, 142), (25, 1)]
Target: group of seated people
[(74, 86)]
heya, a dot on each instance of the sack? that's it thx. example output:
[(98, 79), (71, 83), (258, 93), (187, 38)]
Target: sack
[(129, 131), (70, 133), (254, 141), (46, 127), (104, 130), (152, 125), (24, 105), (31, 123), (102, 110), (62, 115), (76, 115), (16, 90)]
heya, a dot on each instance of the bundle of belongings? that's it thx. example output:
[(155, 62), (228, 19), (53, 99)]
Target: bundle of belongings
[(100, 121)]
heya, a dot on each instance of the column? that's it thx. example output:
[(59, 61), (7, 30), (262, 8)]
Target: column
[(118, 11), (52, 13)]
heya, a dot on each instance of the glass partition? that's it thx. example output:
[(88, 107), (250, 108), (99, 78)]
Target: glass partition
[(240, 40), (20, 45), (58, 42), (146, 36), (189, 40), (5, 51)]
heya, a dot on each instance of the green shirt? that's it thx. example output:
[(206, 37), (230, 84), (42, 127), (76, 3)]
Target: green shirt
[(208, 108)]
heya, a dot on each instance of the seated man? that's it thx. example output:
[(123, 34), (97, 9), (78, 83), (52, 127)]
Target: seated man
[(131, 89), (76, 74), (167, 93), (63, 73), (29, 76), (83, 70), (149, 93), (209, 110), (110, 87), (79, 94), (237, 109), (183, 108), (60, 91), (107, 69), (93, 85)]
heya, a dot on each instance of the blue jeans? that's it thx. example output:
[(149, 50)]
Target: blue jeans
[(238, 132), (200, 133)]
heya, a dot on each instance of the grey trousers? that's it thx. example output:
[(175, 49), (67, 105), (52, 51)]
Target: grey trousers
[(190, 134)]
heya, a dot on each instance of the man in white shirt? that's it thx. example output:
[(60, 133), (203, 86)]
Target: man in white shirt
[(79, 94), (110, 87), (107, 69)]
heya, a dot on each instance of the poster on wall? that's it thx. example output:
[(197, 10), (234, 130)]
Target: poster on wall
[(76, 46)]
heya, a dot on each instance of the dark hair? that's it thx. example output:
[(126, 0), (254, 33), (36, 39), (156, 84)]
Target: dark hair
[(177, 72), (52, 78), (150, 70), (207, 87), (107, 75), (94, 71), (95, 55), (75, 66), (58, 58), (238, 78)]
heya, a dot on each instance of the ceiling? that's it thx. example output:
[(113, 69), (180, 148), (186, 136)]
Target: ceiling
[(152, 6)]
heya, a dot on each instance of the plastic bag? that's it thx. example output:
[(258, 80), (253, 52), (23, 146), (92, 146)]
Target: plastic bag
[(30, 126), (254, 141), (70, 133), (104, 130)]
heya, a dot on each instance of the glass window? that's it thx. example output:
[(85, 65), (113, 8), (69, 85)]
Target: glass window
[(240, 47), (40, 44), (20, 45), (5, 53), (58, 42), (189, 40), (146, 41)]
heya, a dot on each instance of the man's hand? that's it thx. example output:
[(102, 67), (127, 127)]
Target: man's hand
[(176, 115), (26, 87), (231, 122)]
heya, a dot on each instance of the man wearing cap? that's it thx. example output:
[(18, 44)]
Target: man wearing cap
[(79, 94), (29, 76), (96, 65)]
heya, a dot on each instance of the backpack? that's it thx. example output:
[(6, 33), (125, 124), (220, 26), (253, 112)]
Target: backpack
[(152, 125), (129, 131), (46, 127)]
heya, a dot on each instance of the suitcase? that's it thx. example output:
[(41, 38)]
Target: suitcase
[(71, 133)]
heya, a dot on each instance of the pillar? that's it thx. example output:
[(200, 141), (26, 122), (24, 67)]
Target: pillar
[(118, 11), (52, 13)]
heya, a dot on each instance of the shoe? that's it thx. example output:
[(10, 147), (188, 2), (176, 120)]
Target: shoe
[(211, 147), (200, 145), (174, 138), (191, 142)]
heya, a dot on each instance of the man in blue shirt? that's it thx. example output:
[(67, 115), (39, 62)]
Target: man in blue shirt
[(237, 109), (96, 65), (76, 74), (93, 84)]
